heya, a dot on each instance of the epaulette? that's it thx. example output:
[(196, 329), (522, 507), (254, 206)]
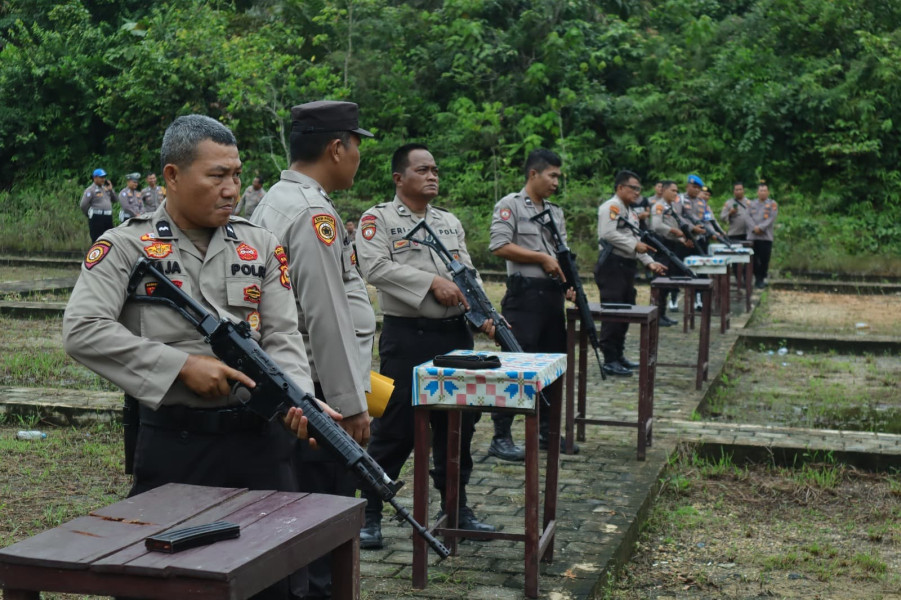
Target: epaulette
[(241, 220), (147, 216), (439, 208), (548, 202)]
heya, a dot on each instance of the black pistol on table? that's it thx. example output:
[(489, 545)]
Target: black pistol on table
[(274, 393)]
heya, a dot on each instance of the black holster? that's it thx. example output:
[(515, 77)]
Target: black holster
[(131, 421)]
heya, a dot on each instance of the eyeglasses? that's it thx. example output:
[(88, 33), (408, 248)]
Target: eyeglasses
[(634, 188)]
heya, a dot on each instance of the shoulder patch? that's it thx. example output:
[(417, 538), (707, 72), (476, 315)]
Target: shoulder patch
[(659, 209), (368, 229), (504, 214), (96, 253), (614, 212), (325, 228)]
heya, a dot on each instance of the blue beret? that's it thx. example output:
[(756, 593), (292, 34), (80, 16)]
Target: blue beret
[(695, 180)]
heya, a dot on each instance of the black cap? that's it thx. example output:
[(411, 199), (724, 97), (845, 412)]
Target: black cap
[(327, 115)]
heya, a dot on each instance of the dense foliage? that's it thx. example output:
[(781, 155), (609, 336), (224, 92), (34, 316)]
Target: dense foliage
[(804, 93)]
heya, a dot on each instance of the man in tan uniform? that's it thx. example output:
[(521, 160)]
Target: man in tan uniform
[(615, 275), (152, 195), (665, 225), (97, 204), (334, 313), (130, 202), (251, 198), (734, 211), (423, 311), (192, 429), (760, 221)]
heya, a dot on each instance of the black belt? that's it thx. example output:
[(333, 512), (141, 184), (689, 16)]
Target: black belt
[(452, 324), (520, 282), (202, 420)]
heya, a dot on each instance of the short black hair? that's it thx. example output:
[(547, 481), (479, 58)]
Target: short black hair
[(763, 184), (400, 160), (540, 159), (308, 147), (735, 183), (182, 137), (666, 183), (257, 177), (623, 177), (662, 181)]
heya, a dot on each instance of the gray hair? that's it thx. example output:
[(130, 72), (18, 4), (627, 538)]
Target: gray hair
[(184, 135)]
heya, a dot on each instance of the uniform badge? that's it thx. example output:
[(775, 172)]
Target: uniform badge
[(254, 320), (367, 218), (505, 214), (284, 278), (324, 225), (148, 236), (281, 256), (401, 244), (252, 293), (246, 252), (659, 209), (158, 250), (368, 230), (353, 257), (96, 253), (150, 287), (614, 213)]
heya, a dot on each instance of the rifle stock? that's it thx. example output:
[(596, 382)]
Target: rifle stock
[(275, 392)]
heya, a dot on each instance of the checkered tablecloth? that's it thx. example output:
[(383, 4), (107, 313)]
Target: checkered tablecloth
[(515, 385)]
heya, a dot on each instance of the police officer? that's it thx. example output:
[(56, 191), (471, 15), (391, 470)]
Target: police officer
[(666, 226), (692, 210), (423, 311), (760, 222), (251, 198), (192, 429), (733, 212), (334, 313), (533, 304), (615, 271), (130, 202), (97, 204), (153, 194)]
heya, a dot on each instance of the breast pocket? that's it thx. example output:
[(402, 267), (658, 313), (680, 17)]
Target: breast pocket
[(244, 292)]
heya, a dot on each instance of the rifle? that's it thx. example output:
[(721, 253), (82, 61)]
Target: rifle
[(274, 393), (649, 237), (567, 261), (480, 308), (720, 234)]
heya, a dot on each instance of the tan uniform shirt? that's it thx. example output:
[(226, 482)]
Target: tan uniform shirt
[(334, 313), (249, 201), (152, 197), (401, 270), (511, 224), (737, 224), (763, 215), (131, 203), (663, 222), (142, 347), (96, 199), (610, 231)]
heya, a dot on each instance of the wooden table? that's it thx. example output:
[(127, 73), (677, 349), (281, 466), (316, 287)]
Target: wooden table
[(646, 317), (690, 287), (103, 553), (513, 387), (740, 263)]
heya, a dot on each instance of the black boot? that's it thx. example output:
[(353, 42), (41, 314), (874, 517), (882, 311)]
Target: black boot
[(371, 534)]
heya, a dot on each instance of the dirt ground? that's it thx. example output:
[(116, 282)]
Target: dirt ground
[(720, 531), (840, 314)]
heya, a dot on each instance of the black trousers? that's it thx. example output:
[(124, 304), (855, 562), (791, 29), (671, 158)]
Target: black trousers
[(762, 251), (257, 459), (535, 311), (405, 343), (320, 472), (616, 282), (98, 224), (681, 251)]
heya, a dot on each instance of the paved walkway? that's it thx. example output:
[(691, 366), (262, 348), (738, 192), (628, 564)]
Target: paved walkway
[(604, 492)]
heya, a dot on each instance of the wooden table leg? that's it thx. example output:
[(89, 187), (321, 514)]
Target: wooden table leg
[(722, 294), (420, 495), (452, 483), (570, 383), (583, 382), (749, 275), (705, 332), (346, 570), (552, 472), (643, 380), (531, 489)]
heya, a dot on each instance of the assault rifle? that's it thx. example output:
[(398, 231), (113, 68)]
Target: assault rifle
[(650, 238), (567, 262), (480, 308), (274, 393)]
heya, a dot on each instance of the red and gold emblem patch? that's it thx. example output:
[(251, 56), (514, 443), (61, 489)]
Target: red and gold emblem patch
[(252, 293), (367, 218), (368, 230), (96, 253), (148, 236), (284, 278), (158, 250), (281, 256), (353, 258), (324, 225), (246, 252), (505, 214), (614, 212), (401, 244), (254, 320), (150, 287)]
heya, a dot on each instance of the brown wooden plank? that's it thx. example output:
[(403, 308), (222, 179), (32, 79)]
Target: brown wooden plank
[(81, 541), (116, 562)]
